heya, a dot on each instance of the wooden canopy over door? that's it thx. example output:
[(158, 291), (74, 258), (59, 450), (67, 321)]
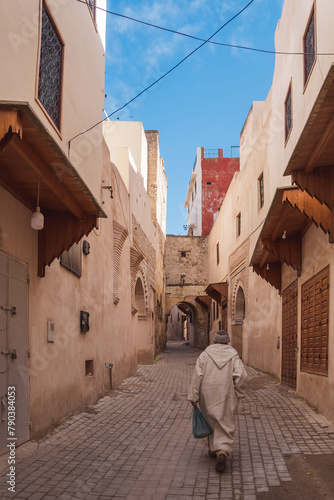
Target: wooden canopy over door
[(29, 157)]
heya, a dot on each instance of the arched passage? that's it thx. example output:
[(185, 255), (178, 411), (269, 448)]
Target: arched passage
[(180, 324), (186, 320)]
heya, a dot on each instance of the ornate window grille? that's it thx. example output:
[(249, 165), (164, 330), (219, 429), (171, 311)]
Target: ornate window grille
[(50, 68), (288, 114), (309, 47)]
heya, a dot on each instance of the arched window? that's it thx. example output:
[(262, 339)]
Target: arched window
[(140, 297)]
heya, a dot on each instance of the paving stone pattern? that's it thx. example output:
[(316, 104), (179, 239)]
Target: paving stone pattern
[(136, 443)]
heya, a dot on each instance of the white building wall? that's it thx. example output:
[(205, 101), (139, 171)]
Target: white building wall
[(194, 196)]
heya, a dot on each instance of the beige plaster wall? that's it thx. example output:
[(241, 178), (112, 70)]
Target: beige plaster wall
[(317, 254), (19, 53), (59, 297), (289, 68), (58, 384), (131, 135), (263, 150), (131, 152)]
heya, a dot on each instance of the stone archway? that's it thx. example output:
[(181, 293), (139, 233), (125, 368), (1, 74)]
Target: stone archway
[(181, 321), (195, 316)]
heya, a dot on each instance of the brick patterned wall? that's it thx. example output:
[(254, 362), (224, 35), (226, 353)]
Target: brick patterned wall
[(142, 243)]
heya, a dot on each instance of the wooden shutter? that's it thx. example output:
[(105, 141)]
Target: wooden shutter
[(314, 335)]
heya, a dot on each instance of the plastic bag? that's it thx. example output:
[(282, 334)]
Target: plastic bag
[(201, 428)]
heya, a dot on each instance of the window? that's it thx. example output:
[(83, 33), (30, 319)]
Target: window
[(217, 253), (50, 68), (309, 47), (288, 114), (208, 183), (71, 259), (261, 191), (314, 324), (238, 224), (89, 368)]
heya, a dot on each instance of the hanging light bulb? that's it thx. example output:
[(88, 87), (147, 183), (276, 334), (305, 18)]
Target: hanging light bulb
[(268, 267), (37, 218), (284, 235)]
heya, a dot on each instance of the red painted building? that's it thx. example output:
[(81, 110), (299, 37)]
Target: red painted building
[(217, 173)]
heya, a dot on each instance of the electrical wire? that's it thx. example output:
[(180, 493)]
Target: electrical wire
[(243, 47), (161, 77)]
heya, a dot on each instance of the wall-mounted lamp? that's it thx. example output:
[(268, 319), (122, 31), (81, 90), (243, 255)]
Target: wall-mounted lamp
[(284, 235), (110, 189), (183, 275), (85, 247), (37, 218)]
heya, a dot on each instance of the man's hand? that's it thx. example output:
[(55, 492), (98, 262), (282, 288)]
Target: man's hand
[(194, 403)]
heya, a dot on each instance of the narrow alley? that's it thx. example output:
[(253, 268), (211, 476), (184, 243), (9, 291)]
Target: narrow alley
[(136, 443)]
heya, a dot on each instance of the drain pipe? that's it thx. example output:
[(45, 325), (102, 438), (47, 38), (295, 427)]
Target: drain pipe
[(109, 367)]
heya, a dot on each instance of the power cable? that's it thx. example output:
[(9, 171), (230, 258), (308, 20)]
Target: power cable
[(161, 77), (243, 47)]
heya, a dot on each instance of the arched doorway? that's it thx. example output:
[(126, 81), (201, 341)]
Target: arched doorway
[(239, 316)]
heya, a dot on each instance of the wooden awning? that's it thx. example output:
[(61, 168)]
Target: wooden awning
[(29, 155), (311, 163), (280, 239), (218, 291), (204, 301)]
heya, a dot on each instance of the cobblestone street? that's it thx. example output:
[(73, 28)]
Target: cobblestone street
[(136, 443)]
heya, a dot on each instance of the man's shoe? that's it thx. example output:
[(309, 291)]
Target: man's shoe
[(212, 454), (221, 463)]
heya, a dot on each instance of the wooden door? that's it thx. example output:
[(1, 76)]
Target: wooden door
[(289, 335), (315, 318), (237, 339), (13, 350)]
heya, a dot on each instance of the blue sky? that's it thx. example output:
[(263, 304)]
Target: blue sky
[(203, 102)]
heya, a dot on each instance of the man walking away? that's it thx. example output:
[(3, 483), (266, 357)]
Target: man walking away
[(218, 382)]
